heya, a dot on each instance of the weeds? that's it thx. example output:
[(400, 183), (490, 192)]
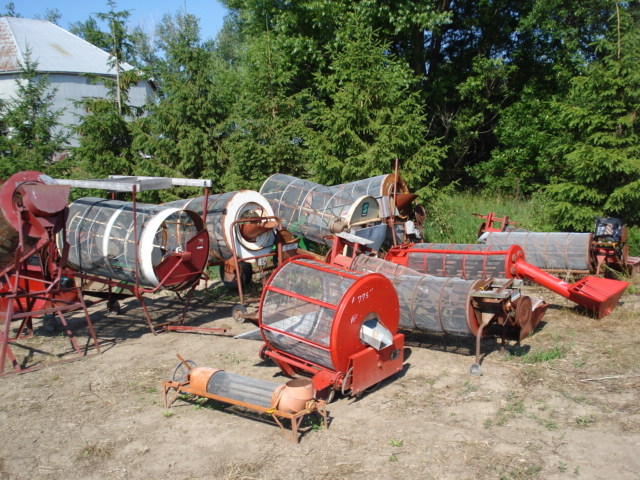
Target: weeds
[(468, 388), (395, 443), (95, 452), (522, 473), (585, 421), (544, 356)]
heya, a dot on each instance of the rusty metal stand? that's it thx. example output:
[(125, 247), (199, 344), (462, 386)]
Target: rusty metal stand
[(286, 246), (133, 185), (312, 407), (27, 296)]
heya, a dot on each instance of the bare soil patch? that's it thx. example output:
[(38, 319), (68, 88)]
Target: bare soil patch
[(562, 405)]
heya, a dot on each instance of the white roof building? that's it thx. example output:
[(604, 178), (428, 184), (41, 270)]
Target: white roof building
[(66, 60)]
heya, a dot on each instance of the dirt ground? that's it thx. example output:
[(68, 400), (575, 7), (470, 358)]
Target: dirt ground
[(563, 405)]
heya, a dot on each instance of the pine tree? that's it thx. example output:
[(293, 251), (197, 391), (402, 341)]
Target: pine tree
[(180, 136), (265, 131), (368, 114), (30, 132), (601, 168), (105, 131)]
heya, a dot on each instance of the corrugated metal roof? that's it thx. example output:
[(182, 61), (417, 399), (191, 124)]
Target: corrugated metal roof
[(54, 48)]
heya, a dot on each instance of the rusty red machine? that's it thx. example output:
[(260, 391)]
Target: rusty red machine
[(448, 305), (137, 247), (604, 251), (337, 325), (293, 400), (472, 261), (34, 280)]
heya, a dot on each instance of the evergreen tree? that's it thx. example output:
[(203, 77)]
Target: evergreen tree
[(368, 114), (180, 136), (29, 128), (601, 166), (104, 132), (265, 132), (555, 42)]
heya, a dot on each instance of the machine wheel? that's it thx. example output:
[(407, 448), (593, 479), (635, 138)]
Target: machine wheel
[(524, 316), (229, 278), (372, 388), (238, 313), (50, 323), (113, 307), (262, 353), (181, 371), (475, 370), (348, 377)]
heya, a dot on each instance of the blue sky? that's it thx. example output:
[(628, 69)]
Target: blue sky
[(143, 12)]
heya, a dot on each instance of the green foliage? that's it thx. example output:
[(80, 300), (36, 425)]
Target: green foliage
[(528, 149), (544, 356), (511, 96), (104, 142), (367, 115), (601, 169), (29, 131), (180, 136), (266, 130), (104, 133), (450, 219)]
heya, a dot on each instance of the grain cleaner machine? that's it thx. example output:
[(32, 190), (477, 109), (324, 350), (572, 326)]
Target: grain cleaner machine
[(243, 231), (138, 247), (316, 212), (596, 294), (34, 281), (448, 305), (337, 325), (293, 400), (395, 200), (563, 252)]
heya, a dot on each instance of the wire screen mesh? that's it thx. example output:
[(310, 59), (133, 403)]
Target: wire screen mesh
[(373, 186), (305, 208), (242, 389), (465, 266), (548, 250), (299, 316), (218, 248), (427, 303), (104, 239)]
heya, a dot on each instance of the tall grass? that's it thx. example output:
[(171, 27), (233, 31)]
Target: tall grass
[(450, 219)]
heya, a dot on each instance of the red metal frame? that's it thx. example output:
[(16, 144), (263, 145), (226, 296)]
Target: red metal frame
[(278, 255), (180, 264), (598, 295), (490, 219), (356, 366), (30, 290)]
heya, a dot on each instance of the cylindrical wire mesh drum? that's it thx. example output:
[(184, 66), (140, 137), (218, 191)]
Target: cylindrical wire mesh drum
[(242, 389), (106, 240), (291, 397), (381, 187), (427, 303), (466, 261), (313, 311), (315, 211), (222, 211), (547, 250)]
